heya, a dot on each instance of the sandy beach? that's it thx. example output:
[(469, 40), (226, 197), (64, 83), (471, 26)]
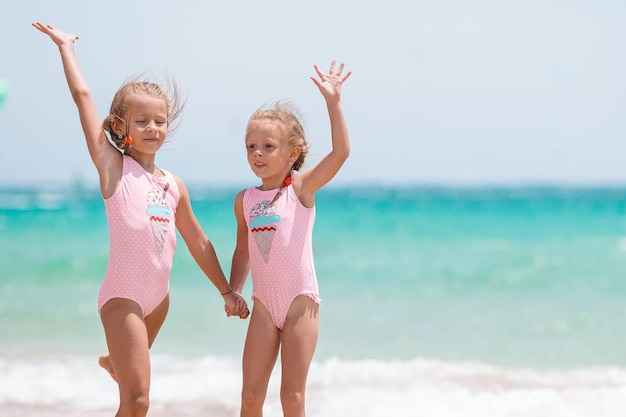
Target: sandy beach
[(156, 410)]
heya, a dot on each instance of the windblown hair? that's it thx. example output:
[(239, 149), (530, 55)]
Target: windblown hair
[(122, 102), (287, 117)]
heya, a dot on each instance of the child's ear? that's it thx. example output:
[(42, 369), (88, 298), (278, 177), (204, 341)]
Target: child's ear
[(295, 153), (118, 127)]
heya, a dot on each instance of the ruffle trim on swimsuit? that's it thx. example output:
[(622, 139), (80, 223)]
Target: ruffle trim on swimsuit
[(313, 296)]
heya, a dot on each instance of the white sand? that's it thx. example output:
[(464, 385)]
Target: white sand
[(156, 410)]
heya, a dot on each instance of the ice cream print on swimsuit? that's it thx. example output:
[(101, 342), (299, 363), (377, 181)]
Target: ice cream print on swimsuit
[(263, 222), (159, 214)]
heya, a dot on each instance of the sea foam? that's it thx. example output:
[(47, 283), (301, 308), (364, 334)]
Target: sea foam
[(419, 387)]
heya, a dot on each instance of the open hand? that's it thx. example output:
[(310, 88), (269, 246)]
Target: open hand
[(58, 36), (330, 83)]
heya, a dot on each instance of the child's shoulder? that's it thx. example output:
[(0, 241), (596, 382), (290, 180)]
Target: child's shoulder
[(241, 194)]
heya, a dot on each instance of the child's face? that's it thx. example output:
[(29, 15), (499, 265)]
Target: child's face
[(147, 123), (269, 153)]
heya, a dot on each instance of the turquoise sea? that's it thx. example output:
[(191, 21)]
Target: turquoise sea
[(436, 302)]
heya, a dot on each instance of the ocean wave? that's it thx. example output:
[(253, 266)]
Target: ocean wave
[(424, 387)]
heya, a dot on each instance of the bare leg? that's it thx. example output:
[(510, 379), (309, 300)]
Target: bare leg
[(259, 356), (153, 321), (298, 346), (129, 337)]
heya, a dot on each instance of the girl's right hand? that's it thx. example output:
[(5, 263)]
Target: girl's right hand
[(235, 305), (58, 36)]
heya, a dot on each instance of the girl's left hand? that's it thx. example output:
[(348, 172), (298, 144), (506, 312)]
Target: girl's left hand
[(330, 83), (235, 305)]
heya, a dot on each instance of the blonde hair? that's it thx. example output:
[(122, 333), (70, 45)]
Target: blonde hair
[(133, 88), (286, 115)]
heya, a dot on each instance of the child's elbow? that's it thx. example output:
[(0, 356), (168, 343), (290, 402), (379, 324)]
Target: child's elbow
[(81, 94), (345, 153)]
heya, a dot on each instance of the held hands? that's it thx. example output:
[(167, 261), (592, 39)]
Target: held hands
[(330, 83), (235, 305), (57, 35)]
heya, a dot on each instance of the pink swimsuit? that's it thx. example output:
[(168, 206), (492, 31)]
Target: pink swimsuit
[(280, 248), (142, 232)]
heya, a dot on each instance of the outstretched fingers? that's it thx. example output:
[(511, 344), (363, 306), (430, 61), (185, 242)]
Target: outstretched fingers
[(40, 26), (332, 66), (57, 35), (330, 83), (340, 71), (319, 72), (47, 29)]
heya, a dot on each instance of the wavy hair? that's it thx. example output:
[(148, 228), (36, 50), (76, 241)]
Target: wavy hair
[(287, 116), (122, 101)]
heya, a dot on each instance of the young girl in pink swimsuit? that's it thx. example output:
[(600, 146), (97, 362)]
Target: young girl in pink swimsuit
[(144, 205), (274, 228)]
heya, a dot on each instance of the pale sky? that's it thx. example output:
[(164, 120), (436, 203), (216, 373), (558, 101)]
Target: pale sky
[(442, 92)]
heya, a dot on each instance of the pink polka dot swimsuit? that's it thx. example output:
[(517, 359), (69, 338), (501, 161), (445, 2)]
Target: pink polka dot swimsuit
[(142, 230), (280, 249)]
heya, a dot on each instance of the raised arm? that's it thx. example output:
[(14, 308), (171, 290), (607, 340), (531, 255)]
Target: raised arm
[(329, 85), (105, 157)]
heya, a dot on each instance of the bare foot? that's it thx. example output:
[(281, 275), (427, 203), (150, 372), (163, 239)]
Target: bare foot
[(105, 362)]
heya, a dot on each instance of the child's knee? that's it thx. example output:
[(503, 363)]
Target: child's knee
[(136, 404), (292, 400), (251, 399)]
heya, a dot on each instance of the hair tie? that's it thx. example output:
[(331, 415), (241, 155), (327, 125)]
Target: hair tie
[(128, 140)]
